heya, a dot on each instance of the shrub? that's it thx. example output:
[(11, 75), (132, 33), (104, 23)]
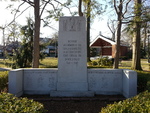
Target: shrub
[(137, 104), (142, 81), (94, 63), (105, 62), (3, 80), (12, 104), (124, 58)]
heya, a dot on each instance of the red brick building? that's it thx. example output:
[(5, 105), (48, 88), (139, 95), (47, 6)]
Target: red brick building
[(106, 47)]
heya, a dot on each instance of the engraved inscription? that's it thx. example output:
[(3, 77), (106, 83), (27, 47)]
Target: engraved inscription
[(105, 80), (51, 81), (40, 80), (65, 25), (92, 82), (30, 81), (72, 24), (72, 52)]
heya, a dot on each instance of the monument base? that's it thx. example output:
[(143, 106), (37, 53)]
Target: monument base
[(72, 94), (72, 86)]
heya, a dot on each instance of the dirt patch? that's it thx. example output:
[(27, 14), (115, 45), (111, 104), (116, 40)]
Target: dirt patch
[(75, 105)]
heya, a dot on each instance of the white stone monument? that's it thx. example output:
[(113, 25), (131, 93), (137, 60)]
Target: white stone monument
[(72, 58), (72, 78)]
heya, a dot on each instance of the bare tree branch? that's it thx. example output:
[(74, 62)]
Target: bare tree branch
[(44, 6), (29, 2), (129, 17), (126, 8), (49, 25), (17, 12), (109, 27), (64, 6), (115, 7)]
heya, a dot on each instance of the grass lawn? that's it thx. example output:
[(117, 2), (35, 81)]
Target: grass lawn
[(52, 62), (49, 62), (126, 64)]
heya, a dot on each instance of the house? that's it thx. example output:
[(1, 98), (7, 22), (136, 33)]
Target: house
[(9, 48), (44, 40), (50, 51), (106, 47)]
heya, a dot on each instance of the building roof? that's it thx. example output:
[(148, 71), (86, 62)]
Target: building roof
[(44, 40), (102, 41)]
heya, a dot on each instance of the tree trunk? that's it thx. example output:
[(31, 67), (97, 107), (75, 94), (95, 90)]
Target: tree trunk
[(136, 61), (88, 29), (119, 25), (117, 52), (36, 50), (80, 8), (145, 36)]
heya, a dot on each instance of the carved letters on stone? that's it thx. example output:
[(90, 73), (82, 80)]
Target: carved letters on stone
[(72, 24), (39, 80), (104, 80)]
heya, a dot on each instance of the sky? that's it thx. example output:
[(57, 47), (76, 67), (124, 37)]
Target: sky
[(98, 25)]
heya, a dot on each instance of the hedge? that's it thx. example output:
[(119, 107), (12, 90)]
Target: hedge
[(3, 80), (12, 104), (137, 104), (143, 81)]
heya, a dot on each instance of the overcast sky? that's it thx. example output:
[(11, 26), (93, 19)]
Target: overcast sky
[(6, 17)]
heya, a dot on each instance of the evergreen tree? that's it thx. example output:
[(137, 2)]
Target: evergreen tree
[(23, 57)]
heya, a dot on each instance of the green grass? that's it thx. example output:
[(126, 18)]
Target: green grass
[(5, 63), (49, 62), (127, 64), (143, 76)]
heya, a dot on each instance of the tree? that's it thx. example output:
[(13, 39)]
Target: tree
[(22, 55), (88, 28), (36, 50), (139, 21), (92, 9), (120, 15), (3, 35), (38, 11), (112, 28), (136, 62), (80, 8), (145, 25)]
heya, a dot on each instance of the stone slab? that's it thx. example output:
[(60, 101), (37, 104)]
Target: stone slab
[(15, 85), (100, 81), (72, 94), (72, 55), (129, 83), (39, 81), (72, 86), (105, 81)]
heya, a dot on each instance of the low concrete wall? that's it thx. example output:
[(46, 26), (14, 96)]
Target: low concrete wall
[(15, 79), (100, 81), (129, 83), (39, 81), (105, 81)]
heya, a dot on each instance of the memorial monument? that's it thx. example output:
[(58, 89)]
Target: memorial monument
[(72, 58), (72, 78)]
